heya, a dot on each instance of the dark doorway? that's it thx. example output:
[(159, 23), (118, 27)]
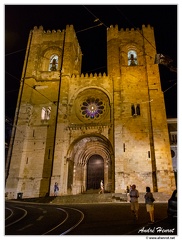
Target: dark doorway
[(95, 172)]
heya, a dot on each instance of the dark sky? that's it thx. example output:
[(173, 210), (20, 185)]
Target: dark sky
[(20, 19)]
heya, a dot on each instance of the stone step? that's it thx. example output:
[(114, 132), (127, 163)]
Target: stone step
[(106, 197), (93, 197), (84, 198)]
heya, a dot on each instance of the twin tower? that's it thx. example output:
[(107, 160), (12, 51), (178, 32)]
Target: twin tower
[(77, 129)]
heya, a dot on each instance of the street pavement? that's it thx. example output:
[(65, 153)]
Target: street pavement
[(116, 219), (96, 219)]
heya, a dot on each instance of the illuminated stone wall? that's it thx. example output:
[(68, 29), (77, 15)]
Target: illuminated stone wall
[(58, 132), (142, 151)]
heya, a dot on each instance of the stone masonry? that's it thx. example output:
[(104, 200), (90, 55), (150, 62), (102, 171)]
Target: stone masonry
[(74, 129)]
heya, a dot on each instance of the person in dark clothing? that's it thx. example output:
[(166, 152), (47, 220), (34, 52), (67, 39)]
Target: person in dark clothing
[(56, 189), (149, 201)]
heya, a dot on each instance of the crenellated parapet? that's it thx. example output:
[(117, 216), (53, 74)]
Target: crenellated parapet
[(136, 29), (40, 35), (147, 27), (58, 34), (41, 30), (69, 28), (113, 31), (91, 75)]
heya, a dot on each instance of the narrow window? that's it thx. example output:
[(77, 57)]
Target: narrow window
[(138, 109), (132, 58), (132, 109), (123, 147), (148, 154), (53, 65)]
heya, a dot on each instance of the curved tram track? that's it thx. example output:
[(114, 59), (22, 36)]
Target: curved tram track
[(40, 219)]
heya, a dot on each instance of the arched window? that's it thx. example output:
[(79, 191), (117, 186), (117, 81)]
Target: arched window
[(135, 109), (132, 58), (53, 65), (46, 113)]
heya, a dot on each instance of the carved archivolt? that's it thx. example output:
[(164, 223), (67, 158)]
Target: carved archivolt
[(82, 149)]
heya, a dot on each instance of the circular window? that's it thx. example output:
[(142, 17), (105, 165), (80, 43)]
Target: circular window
[(92, 108)]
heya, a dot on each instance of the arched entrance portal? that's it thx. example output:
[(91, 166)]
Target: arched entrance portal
[(95, 172), (89, 161)]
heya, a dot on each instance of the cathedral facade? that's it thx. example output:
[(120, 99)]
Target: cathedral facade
[(77, 129)]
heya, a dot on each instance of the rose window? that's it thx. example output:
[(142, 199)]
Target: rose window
[(92, 108)]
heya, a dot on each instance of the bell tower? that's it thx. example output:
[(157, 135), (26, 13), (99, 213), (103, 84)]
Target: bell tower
[(141, 142), (52, 57)]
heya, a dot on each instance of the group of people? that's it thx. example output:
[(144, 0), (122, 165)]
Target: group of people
[(133, 195)]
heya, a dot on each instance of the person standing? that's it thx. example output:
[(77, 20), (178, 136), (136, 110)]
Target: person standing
[(56, 189), (101, 187), (128, 193), (149, 201), (134, 195)]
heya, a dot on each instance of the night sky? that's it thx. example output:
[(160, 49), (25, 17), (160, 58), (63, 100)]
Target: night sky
[(20, 19)]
